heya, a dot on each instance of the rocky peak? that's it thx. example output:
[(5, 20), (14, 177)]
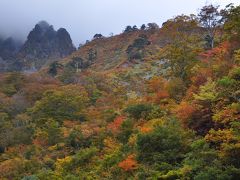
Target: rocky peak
[(40, 33), (64, 42), (44, 43), (43, 25)]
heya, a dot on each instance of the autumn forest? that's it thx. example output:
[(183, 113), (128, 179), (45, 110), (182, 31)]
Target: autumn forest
[(154, 102)]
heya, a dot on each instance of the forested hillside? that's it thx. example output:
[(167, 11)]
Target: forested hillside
[(150, 103)]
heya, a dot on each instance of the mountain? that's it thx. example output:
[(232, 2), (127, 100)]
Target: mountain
[(137, 50), (44, 44), (149, 103), (116, 52)]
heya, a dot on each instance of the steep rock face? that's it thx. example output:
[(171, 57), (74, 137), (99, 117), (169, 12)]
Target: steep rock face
[(45, 44), (64, 42)]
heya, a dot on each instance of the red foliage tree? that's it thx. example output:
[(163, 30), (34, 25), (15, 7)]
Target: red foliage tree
[(116, 124)]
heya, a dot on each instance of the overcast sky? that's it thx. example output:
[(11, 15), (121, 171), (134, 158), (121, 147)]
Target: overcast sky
[(84, 18)]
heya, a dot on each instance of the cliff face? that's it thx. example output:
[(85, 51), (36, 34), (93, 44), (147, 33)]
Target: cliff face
[(45, 44), (64, 43)]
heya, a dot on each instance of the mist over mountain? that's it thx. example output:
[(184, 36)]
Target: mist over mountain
[(9, 48), (83, 19), (43, 44)]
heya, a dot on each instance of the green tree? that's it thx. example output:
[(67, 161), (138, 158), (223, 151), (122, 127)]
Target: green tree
[(54, 132), (12, 83), (166, 144), (232, 24), (65, 103), (138, 111), (53, 68)]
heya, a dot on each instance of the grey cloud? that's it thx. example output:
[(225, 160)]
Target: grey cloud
[(84, 18)]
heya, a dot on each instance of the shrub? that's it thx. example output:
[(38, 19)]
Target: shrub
[(138, 111), (163, 144)]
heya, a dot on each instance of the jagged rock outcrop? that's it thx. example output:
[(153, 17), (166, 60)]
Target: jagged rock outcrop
[(44, 45), (64, 42)]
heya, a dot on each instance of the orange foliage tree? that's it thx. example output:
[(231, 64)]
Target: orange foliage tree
[(116, 124), (129, 164), (185, 111)]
